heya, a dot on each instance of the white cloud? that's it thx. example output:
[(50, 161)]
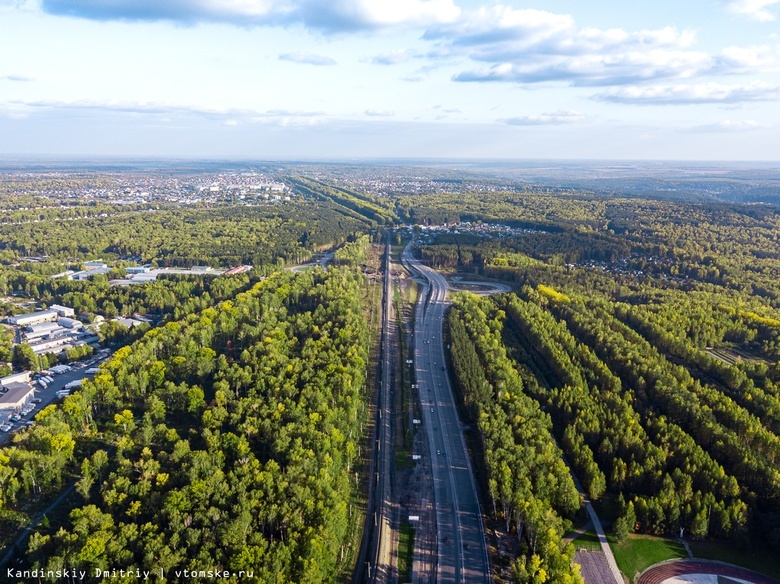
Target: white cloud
[(379, 113), (307, 58), (752, 58), (331, 16), (561, 117), (728, 126), (381, 13), (754, 9), (15, 78), (691, 94), (24, 5), (597, 69), (534, 46), (168, 111), (501, 29), (394, 57)]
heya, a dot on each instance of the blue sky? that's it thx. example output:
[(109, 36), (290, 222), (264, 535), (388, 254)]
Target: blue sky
[(307, 79)]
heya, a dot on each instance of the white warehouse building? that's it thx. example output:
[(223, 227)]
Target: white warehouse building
[(33, 317), (64, 311)]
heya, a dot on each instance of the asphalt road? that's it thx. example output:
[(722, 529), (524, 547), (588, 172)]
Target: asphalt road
[(462, 549)]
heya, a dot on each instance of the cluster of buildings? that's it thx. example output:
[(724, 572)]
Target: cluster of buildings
[(144, 274), (144, 188), (488, 230), (15, 391), (637, 266), (16, 399), (52, 330), (91, 269), (393, 181)]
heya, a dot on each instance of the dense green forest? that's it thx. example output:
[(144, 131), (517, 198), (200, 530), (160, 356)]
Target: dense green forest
[(528, 480), (217, 235), (729, 246), (362, 204), (649, 332), (639, 350), (226, 439)]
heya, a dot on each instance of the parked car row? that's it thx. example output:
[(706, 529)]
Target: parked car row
[(48, 389)]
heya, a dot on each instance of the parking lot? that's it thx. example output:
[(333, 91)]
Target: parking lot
[(46, 396)]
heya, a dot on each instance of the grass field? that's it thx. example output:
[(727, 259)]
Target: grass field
[(588, 541), (405, 552), (639, 552), (755, 557)]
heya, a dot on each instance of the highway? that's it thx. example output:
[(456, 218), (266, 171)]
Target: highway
[(462, 549)]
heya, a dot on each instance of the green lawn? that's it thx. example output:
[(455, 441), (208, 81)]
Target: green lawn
[(588, 541), (405, 552), (755, 556), (639, 552)]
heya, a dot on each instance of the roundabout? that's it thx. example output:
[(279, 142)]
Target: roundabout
[(479, 287)]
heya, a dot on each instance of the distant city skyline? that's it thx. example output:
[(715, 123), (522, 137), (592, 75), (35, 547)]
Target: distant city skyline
[(282, 79)]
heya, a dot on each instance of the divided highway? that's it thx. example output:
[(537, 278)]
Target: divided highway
[(462, 549)]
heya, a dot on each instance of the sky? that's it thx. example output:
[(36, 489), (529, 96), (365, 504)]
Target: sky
[(346, 79)]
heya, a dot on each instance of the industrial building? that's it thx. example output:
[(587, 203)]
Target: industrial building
[(63, 342), (33, 317), (23, 377), (63, 311), (17, 395), (89, 273), (40, 330), (128, 322)]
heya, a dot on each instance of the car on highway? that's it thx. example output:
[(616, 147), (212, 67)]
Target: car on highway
[(431, 410)]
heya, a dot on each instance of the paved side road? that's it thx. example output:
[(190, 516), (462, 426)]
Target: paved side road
[(618, 578)]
